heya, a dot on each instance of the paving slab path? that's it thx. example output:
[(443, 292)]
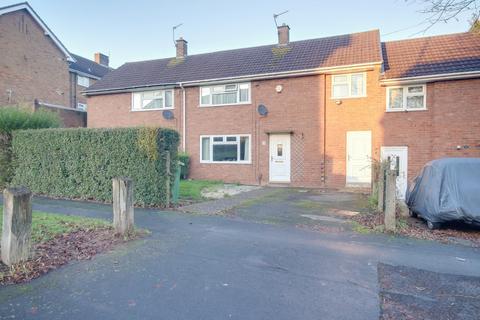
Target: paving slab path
[(228, 267)]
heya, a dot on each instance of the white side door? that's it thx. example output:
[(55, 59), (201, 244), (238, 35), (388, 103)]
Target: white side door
[(279, 158), (398, 157), (359, 158)]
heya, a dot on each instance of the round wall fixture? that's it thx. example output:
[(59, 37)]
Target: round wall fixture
[(279, 88), (262, 110), (168, 114)]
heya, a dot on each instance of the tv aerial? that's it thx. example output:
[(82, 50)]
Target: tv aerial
[(173, 31), (276, 15)]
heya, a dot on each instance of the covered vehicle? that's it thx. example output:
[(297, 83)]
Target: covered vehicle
[(447, 189)]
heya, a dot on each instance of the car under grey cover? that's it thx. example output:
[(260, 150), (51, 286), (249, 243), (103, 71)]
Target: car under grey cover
[(447, 189)]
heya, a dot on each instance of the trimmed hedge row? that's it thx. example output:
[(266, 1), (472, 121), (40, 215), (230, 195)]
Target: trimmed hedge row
[(16, 118), (80, 163)]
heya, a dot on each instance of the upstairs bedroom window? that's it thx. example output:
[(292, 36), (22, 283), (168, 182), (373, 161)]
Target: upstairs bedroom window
[(83, 81), (152, 100), (351, 85), (406, 98), (225, 149), (228, 94)]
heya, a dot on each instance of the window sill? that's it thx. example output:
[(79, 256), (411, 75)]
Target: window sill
[(225, 162), (143, 110), (406, 110), (224, 105)]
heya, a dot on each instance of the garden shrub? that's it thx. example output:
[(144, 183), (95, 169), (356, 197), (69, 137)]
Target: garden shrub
[(15, 118), (184, 158), (80, 163)]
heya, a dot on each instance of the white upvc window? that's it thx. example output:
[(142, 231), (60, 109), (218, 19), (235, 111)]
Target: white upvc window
[(152, 100), (83, 81), (352, 85), (225, 149), (225, 94), (82, 106), (407, 98)]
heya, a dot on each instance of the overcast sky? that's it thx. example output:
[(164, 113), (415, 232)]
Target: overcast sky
[(142, 29)]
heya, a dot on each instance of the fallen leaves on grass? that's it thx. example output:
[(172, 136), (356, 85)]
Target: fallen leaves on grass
[(81, 244), (416, 228)]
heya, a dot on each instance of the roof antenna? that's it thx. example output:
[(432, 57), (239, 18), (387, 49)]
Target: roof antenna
[(173, 31), (276, 15)]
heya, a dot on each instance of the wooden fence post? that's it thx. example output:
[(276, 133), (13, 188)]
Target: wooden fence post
[(17, 225), (381, 188), (123, 212), (390, 200), (167, 183)]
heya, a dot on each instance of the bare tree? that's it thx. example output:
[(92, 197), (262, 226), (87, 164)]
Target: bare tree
[(446, 10)]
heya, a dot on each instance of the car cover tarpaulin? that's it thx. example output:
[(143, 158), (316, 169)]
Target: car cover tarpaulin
[(447, 189)]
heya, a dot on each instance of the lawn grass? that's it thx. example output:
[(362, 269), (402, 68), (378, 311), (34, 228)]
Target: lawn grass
[(45, 225), (192, 189)]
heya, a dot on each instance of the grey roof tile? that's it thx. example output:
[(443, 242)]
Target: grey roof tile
[(88, 66), (356, 48)]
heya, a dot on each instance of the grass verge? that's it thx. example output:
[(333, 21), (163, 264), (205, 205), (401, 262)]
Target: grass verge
[(58, 239), (192, 189), (45, 226)]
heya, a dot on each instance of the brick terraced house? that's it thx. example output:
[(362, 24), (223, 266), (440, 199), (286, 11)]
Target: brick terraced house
[(84, 73), (312, 113), (36, 70)]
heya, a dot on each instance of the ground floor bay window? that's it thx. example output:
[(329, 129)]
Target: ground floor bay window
[(225, 149)]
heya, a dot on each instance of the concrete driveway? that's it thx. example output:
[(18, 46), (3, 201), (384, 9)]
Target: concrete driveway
[(229, 267)]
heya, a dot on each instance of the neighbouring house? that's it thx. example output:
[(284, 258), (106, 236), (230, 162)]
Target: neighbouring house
[(84, 73), (37, 71), (314, 113)]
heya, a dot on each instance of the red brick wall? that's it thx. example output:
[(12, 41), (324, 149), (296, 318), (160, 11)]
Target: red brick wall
[(451, 119), (295, 109), (30, 64), (70, 118), (114, 110), (354, 114)]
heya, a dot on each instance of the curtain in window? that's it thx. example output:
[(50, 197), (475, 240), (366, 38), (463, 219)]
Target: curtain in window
[(168, 99), (206, 149), (395, 98), (244, 149), (357, 84), (415, 102), (244, 93)]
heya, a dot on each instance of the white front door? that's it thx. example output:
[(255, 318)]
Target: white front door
[(280, 158), (359, 158), (399, 159)]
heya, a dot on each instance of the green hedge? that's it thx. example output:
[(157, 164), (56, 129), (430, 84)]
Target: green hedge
[(80, 163), (16, 118)]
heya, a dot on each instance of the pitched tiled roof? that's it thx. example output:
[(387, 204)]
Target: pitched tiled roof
[(90, 67), (357, 48), (451, 53)]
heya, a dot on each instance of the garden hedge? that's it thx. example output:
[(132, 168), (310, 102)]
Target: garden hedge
[(16, 118), (80, 163)]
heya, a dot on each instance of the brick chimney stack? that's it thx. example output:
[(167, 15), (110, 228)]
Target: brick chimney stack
[(283, 35), (181, 46), (102, 59)]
